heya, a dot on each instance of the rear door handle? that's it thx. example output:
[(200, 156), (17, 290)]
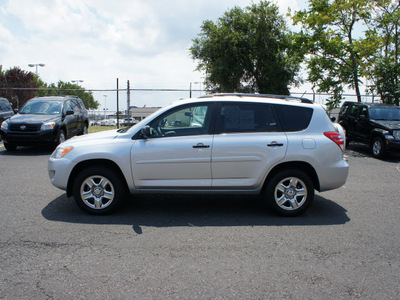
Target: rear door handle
[(275, 144), (201, 145)]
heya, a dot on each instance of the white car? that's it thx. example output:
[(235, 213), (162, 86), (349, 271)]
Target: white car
[(279, 147), (108, 122)]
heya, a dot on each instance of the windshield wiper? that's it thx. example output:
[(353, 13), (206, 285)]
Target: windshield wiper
[(122, 130)]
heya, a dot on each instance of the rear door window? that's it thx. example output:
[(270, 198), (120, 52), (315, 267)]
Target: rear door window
[(247, 117)]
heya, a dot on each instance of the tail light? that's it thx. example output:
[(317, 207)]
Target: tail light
[(336, 138)]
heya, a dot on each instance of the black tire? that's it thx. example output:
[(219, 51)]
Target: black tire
[(9, 146), (98, 190), (290, 192), (347, 142), (84, 130), (61, 137), (378, 147)]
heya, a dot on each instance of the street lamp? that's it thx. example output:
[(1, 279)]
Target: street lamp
[(190, 94), (105, 106), (77, 81), (36, 65)]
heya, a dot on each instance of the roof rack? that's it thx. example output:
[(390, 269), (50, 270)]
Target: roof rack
[(64, 96), (280, 97)]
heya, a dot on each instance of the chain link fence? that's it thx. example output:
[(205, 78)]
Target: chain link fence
[(112, 101)]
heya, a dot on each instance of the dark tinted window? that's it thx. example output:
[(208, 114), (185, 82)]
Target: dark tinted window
[(67, 106), (385, 113), (294, 118), (344, 109), (75, 106), (245, 117), (364, 111), (80, 104), (354, 110), (5, 106)]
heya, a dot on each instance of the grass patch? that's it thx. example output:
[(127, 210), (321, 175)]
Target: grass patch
[(93, 129)]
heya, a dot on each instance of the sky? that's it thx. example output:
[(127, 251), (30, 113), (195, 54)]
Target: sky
[(144, 41)]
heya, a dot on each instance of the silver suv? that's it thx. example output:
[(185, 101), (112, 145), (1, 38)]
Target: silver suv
[(279, 147)]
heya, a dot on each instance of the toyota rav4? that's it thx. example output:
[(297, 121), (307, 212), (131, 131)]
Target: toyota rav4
[(45, 120), (280, 147)]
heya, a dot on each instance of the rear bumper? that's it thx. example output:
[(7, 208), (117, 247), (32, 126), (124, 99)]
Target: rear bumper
[(334, 176)]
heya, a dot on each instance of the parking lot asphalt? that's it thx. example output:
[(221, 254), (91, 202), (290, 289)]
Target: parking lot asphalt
[(346, 246)]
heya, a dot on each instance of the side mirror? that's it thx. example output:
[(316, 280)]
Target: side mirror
[(16, 111), (188, 114), (69, 112), (146, 131), (363, 117), (333, 119)]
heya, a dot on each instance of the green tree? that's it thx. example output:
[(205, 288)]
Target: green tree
[(384, 69), (336, 57), (17, 86), (67, 88), (247, 50)]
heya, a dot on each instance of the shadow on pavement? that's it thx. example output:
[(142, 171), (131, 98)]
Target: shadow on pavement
[(196, 211), (362, 150), (26, 151)]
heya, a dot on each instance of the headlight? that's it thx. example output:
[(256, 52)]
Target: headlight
[(4, 125), (396, 134), (60, 152), (48, 126)]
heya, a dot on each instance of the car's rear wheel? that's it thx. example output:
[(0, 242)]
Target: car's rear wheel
[(290, 192), (9, 146), (98, 190), (378, 147)]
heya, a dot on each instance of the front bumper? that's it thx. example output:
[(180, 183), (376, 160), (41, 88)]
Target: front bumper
[(59, 171), (30, 138), (392, 144)]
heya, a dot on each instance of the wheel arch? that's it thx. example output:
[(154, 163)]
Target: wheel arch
[(299, 165), (377, 133), (63, 128), (93, 163)]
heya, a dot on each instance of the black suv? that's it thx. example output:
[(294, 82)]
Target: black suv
[(377, 125), (45, 120)]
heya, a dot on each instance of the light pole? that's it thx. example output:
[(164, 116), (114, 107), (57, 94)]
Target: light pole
[(190, 94), (105, 106), (36, 65), (76, 81)]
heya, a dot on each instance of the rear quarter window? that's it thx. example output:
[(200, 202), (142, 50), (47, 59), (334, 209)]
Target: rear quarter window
[(294, 118)]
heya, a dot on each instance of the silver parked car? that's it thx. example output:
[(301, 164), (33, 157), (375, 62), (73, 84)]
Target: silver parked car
[(280, 147)]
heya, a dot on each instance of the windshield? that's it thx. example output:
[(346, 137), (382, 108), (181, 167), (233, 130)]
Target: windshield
[(42, 108), (385, 113)]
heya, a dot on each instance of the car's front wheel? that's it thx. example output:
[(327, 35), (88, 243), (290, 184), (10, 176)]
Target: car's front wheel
[(378, 147), (290, 192), (61, 137), (84, 130), (98, 190)]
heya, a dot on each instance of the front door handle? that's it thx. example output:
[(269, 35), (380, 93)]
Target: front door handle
[(275, 144), (201, 145)]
